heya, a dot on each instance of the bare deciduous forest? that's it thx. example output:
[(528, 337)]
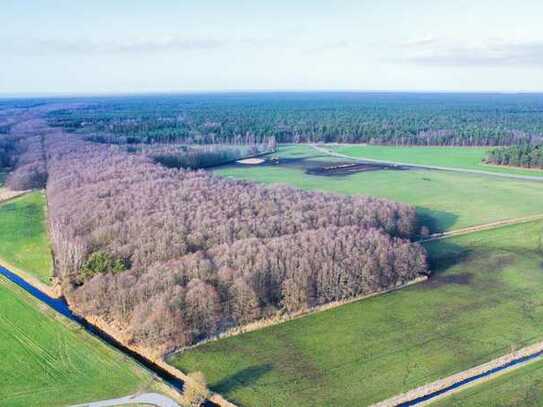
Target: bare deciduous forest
[(135, 242)]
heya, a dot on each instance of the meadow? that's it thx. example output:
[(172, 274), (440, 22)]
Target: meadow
[(470, 158), (49, 361), (444, 200), (23, 236), (521, 387), (484, 299)]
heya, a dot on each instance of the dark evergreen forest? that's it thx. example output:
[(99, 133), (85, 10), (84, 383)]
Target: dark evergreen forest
[(248, 118)]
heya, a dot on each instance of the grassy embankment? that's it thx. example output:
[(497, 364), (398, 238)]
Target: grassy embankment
[(522, 388), (485, 299), (456, 157), (23, 236), (444, 200)]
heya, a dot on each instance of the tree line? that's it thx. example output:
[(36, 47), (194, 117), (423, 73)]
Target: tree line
[(525, 155), (202, 156)]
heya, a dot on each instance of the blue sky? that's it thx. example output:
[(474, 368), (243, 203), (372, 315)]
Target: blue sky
[(99, 46)]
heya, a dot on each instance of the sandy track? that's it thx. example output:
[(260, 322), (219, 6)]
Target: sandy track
[(480, 228)]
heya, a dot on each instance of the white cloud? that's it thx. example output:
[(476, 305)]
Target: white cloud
[(169, 43), (492, 52)]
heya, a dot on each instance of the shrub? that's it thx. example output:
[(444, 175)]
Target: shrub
[(101, 262)]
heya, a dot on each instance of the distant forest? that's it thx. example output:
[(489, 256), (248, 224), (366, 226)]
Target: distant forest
[(526, 156), (248, 118)]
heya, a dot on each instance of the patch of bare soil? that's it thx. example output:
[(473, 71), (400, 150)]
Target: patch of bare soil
[(350, 168)]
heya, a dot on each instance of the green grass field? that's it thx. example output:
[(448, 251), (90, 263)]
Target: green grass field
[(444, 200), (457, 157), (519, 388), (485, 298), (48, 361), (23, 235)]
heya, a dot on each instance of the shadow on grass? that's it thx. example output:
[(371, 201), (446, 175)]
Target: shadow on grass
[(436, 221), (243, 378), (444, 254)]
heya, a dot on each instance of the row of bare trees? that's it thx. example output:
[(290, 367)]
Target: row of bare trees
[(198, 156)]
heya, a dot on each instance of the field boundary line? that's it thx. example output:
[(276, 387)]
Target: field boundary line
[(454, 383), (428, 166), (481, 228)]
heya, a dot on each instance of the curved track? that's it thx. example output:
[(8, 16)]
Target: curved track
[(153, 399)]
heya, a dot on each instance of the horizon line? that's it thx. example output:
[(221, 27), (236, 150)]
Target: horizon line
[(69, 94)]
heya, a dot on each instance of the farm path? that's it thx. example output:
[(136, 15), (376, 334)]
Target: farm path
[(479, 228), (423, 166), (153, 399)]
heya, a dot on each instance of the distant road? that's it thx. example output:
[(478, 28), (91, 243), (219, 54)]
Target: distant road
[(153, 399), (427, 167)]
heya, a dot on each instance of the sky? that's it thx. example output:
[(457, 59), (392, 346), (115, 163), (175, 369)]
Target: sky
[(134, 46)]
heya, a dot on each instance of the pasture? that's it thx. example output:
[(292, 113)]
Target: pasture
[(23, 236), (444, 200), (456, 157), (484, 300), (49, 361), (522, 387)]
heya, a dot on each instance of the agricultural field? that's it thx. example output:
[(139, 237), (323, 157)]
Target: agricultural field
[(522, 387), (444, 200), (49, 361), (24, 236), (483, 301), (470, 158)]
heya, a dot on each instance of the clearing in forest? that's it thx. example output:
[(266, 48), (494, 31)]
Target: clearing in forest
[(483, 301)]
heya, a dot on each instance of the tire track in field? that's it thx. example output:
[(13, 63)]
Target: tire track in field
[(42, 355)]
